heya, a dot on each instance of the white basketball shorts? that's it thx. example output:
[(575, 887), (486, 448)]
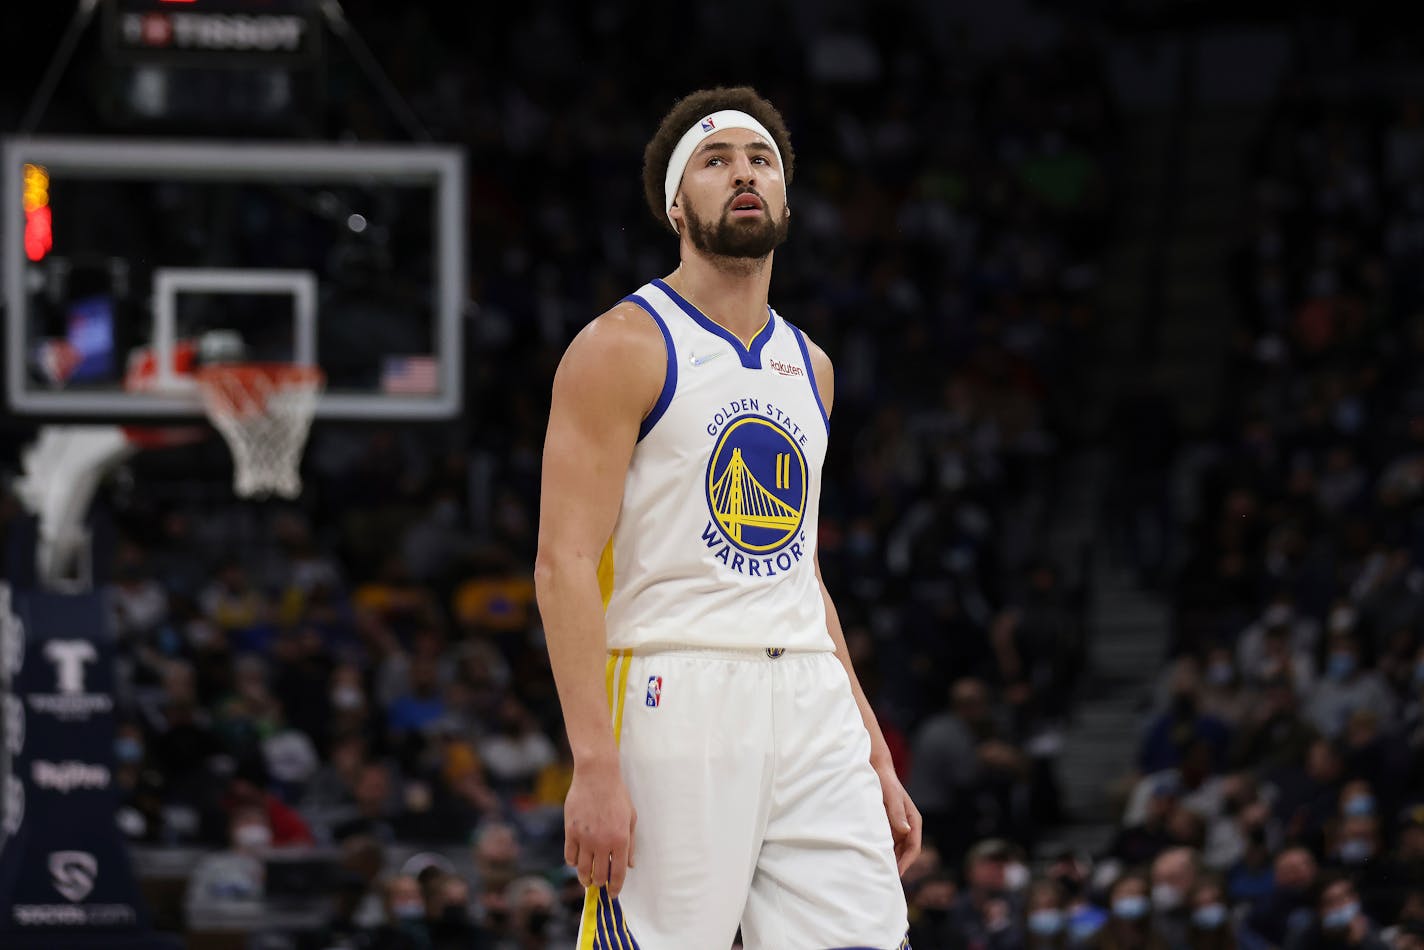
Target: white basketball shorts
[(757, 806)]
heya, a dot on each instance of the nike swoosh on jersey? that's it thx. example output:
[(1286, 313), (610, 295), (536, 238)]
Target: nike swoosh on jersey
[(696, 360)]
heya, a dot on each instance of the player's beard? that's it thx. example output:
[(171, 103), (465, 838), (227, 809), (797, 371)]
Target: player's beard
[(737, 238)]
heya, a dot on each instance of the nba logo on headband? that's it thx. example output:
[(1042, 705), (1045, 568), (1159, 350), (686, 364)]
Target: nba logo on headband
[(708, 125)]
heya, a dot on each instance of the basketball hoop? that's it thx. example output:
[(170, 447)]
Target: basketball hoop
[(264, 412)]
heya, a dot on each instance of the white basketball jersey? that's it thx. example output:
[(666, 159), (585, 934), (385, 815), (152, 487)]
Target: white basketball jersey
[(716, 540)]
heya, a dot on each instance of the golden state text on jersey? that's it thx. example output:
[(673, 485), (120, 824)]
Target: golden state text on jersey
[(715, 540)]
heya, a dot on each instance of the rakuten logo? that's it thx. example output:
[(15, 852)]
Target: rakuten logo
[(65, 777)]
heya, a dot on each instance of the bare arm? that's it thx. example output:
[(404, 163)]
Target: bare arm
[(607, 381), (904, 818)]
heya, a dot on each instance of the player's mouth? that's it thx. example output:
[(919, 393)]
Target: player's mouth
[(747, 205)]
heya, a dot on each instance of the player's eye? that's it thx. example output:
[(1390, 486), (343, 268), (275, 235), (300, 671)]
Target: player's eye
[(714, 159), (761, 158)]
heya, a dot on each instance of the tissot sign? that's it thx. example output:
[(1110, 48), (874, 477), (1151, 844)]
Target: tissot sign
[(205, 29), (63, 863)]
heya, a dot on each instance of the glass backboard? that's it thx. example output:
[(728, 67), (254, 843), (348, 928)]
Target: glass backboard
[(127, 260)]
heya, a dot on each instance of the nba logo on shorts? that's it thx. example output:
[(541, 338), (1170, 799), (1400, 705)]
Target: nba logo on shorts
[(707, 126), (655, 690)]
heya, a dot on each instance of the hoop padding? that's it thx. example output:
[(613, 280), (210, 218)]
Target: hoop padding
[(61, 471), (264, 412)]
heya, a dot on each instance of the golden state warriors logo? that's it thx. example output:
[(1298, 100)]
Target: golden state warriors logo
[(756, 484)]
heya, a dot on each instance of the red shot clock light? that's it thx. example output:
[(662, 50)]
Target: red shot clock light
[(39, 233)]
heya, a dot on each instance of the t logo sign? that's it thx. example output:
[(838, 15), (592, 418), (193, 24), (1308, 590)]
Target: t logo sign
[(69, 657)]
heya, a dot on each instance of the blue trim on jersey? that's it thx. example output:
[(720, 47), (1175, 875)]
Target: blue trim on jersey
[(624, 933), (750, 357), (611, 932), (811, 373), (669, 378)]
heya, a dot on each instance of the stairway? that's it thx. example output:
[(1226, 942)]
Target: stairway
[(1195, 329), (1127, 628)]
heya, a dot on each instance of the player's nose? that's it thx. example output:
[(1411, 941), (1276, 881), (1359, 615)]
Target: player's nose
[(743, 171)]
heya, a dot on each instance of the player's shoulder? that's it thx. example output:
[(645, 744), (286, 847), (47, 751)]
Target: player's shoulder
[(820, 360), (620, 350), (623, 334)]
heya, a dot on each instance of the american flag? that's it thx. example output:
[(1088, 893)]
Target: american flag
[(409, 376)]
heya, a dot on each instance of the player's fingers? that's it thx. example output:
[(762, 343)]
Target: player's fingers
[(600, 864), (632, 836), (617, 870), (895, 811), (571, 848), (586, 865), (909, 848)]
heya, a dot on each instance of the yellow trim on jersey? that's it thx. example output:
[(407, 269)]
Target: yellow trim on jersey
[(588, 927), (627, 657), (605, 573), (615, 673)]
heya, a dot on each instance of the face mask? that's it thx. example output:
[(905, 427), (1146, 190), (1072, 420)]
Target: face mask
[(1046, 922), (252, 837), (127, 750), (1340, 917), (347, 698), (1340, 665), (1132, 907), (1356, 851), (409, 910), (1166, 896), (1220, 674), (1209, 917), (1360, 805), (1016, 877)]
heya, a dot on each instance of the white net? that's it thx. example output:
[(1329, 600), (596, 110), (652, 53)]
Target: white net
[(264, 413)]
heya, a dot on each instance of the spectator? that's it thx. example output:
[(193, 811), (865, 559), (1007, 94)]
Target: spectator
[(1340, 921), (536, 922), (964, 770), (377, 811), (285, 824), (1129, 926), (405, 927), (518, 751), (139, 603), (985, 914), (1280, 915), (1211, 924), (1046, 920), (422, 707), (447, 914), (1174, 878), (1346, 688), (497, 855), (233, 877), (1274, 734), (1175, 730)]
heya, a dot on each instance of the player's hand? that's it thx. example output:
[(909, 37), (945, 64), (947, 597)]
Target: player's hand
[(905, 821), (598, 826)]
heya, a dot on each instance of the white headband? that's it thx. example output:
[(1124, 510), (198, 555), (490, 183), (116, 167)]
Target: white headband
[(716, 122)]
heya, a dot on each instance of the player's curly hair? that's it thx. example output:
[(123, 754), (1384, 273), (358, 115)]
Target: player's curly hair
[(687, 111)]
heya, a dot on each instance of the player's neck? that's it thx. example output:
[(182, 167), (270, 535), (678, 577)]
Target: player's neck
[(731, 291)]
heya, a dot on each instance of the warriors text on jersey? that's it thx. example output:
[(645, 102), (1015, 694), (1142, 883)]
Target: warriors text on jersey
[(716, 538)]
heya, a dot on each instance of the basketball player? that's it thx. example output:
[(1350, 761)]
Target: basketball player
[(727, 767)]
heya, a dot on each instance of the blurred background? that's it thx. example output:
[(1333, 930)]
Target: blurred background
[(1122, 510)]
